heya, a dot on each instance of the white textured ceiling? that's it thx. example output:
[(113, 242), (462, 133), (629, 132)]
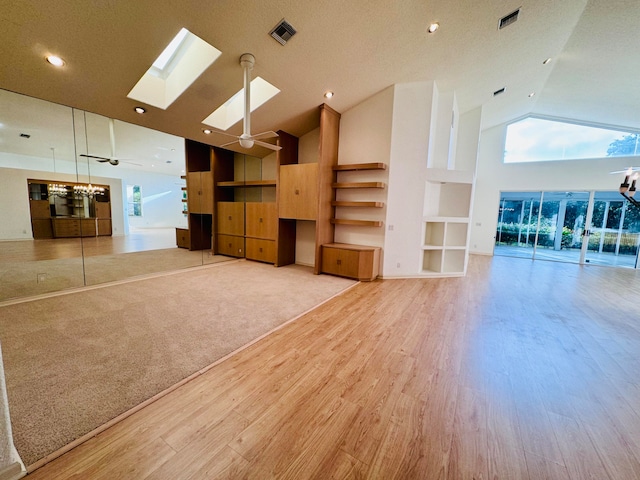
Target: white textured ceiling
[(354, 48)]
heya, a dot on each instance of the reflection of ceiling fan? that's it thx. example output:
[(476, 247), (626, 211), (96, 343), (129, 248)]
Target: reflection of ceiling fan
[(247, 140), (112, 160)]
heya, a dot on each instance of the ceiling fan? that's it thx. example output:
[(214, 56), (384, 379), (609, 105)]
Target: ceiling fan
[(246, 140), (112, 159)]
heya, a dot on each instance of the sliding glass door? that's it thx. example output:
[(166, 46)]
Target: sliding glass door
[(551, 226)]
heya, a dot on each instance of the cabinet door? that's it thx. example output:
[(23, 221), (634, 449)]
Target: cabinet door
[(230, 245), (104, 226), (261, 250), (299, 191), (200, 192), (262, 220), (230, 218), (340, 262), (103, 210)]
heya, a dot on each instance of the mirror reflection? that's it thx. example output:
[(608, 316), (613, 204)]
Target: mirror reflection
[(87, 199)]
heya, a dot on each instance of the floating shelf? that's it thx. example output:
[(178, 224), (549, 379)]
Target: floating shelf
[(357, 204), (359, 166), (358, 185), (359, 223)]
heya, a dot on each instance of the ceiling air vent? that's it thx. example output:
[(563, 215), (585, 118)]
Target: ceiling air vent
[(508, 19), (498, 92), (282, 32)]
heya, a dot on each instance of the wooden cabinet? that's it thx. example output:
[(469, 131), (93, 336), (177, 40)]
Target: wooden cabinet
[(104, 227), (299, 191), (353, 261), (262, 220), (230, 245), (41, 218), (74, 227), (182, 237), (230, 218), (200, 192)]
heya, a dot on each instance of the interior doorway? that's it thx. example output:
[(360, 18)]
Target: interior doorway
[(553, 226)]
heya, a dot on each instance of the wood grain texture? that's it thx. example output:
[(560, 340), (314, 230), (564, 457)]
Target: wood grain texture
[(520, 370)]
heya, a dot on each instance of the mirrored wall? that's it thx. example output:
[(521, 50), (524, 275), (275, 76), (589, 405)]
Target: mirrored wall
[(85, 199)]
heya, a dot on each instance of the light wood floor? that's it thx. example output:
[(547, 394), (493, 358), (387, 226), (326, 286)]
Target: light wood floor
[(520, 370)]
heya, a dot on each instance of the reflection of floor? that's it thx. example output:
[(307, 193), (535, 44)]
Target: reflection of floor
[(32, 267), (569, 256)]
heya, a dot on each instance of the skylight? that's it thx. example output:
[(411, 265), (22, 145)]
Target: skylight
[(177, 67), (171, 49), (230, 112), (539, 140)]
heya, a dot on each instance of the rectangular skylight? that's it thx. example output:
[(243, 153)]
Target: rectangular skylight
[(177, 67), (232, 111)]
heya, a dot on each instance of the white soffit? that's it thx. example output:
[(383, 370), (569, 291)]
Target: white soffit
[(231, 111), (177, 67)]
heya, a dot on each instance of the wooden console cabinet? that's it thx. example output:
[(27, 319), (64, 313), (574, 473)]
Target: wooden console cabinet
[(353, 261)]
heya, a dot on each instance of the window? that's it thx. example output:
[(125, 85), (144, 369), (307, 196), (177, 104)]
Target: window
[(538, 140), (134, 200)]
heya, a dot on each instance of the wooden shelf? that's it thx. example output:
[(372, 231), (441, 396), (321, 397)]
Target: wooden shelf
[(249, 183), (358, 185), (359, 223), (359, 166), (357, 204), (260, 183)]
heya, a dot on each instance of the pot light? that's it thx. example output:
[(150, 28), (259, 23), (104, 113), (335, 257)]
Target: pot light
[(532, 94), (206, 131), (55, 61), (140, 110), (433, 27), (546, 61), (328, 94)]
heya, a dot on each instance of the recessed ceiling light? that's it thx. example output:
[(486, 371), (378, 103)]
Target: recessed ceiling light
[(433, 27), (546, 61), (55, 60), (328, 94), (206, 131), (140, 110), (532, 94)]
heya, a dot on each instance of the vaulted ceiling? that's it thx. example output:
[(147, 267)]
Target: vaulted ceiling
[(355, 48)]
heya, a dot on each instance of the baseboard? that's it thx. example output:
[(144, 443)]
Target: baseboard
[(12, 472)]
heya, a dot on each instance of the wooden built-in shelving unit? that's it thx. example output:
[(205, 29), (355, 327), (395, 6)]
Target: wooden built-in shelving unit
[(336, 185)]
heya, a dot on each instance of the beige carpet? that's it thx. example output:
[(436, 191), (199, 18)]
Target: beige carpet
[(20, 278), (75, 361)]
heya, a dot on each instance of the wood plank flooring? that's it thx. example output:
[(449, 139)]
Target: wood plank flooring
[(521, 370)]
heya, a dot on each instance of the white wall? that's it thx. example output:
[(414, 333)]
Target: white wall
[(365, 137), (410, 144), (494, 176)]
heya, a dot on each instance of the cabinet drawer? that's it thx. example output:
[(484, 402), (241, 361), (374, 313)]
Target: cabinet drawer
[(353, 261), (230, 218), (261, 250), (262, 220), (230, 245), (66, 227)]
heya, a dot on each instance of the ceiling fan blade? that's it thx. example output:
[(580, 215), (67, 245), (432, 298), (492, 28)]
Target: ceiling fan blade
[(224, 133), (131, 163), (230, 143), (267, 145), (100, 159), (269, 134)]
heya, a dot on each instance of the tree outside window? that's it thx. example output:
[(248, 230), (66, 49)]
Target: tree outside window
[(134, 200)]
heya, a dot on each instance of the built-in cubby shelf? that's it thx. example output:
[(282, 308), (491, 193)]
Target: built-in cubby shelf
[(447, 210)]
